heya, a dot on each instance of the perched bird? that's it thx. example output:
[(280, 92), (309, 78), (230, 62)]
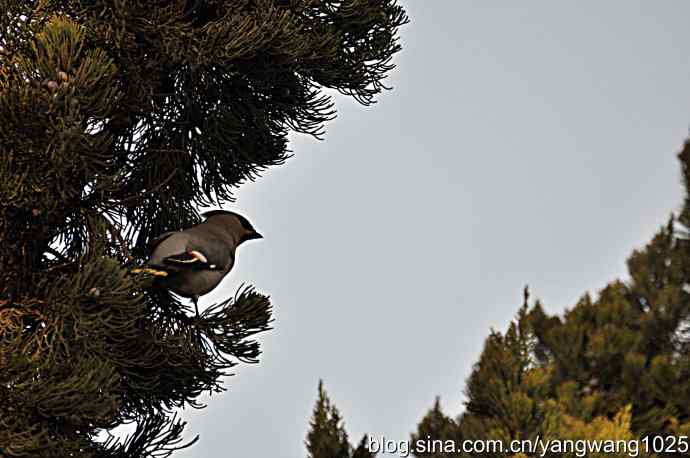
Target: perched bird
[(192, 262)]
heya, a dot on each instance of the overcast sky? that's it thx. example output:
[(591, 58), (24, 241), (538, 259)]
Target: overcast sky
[(531, 144)]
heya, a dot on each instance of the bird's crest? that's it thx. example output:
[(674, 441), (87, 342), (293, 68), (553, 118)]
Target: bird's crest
[(243, 221)]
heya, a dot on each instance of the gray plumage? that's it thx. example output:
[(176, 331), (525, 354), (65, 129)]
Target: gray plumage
[(197, 259)]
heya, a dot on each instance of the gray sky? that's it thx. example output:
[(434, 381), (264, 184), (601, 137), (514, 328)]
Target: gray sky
[(531, 144)]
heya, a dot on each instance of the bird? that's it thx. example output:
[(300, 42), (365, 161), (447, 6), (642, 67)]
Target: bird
[(192, 262)]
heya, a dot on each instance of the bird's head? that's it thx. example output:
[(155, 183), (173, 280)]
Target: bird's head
[(233, 224)]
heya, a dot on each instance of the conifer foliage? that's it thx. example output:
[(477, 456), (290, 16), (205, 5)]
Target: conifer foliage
[(616, 367), (117, 121), (436, 426), (327, 437)]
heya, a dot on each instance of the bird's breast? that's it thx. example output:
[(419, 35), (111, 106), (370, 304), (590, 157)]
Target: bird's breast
[(195, 282)]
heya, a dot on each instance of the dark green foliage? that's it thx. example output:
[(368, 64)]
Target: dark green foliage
[(327, 437), (362, 450), (436, 426), (117, 120), (614, 367), (502, 389)]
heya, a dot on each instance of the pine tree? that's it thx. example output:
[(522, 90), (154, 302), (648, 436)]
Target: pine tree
[(503, 388), (362, 449), (327, 437), (614, 367), (436, 431), (118, 120)]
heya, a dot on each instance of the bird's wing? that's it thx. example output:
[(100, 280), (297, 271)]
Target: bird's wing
[(209, 254), (190, 258), (153, 243)]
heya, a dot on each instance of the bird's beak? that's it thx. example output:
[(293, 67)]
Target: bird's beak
[(256, 235)]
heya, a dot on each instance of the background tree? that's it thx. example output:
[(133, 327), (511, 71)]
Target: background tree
[(436, 426), (117, 121), (327, 437), (614, 367)]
